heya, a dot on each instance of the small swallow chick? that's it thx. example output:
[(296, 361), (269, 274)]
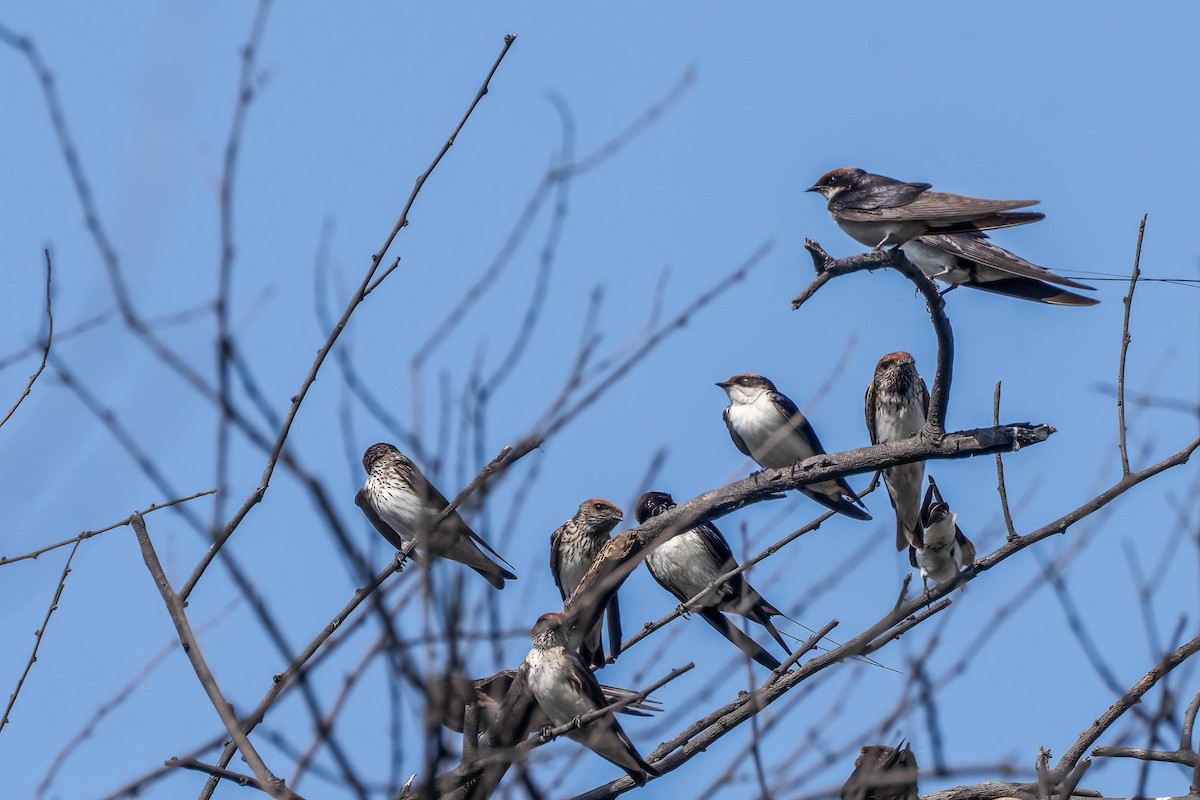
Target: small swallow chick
[(876, 210), (896, 405), (565, 690), (942, 550), (573, 548), (402, 505)]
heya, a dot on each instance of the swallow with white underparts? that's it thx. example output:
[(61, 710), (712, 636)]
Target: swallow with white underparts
[(691, 561), (565, 689), (573, 548), (941, 550), (896, 405), (883, 773), (488, 695), (876, 210), (403, 505), (970, 259), (766, 425)]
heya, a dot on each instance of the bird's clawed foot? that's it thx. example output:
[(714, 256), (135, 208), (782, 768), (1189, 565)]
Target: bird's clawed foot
[(544, 733), (682, 610)]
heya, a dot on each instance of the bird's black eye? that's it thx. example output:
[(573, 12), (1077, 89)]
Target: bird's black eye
[(598, 506)]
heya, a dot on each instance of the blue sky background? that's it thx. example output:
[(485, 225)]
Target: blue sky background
[(1090, 112)]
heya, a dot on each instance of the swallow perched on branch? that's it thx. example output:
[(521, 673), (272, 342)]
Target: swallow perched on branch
[(883, 773), (767, 426), (896, 405), (692, 560), (941, 550), (403, 505), (573, 548), (565, 689), (876, 210), (970, 259)]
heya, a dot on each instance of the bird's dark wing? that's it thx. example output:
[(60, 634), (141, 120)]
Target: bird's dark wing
[(737, 440), (965, 545), (798, 421), (978, 248), (874, 198), (614, 627), (912, 548), (555, 555), (888, 203), (1035, 290), (362, 501), (869, 411), (924, 396), (715, 544)]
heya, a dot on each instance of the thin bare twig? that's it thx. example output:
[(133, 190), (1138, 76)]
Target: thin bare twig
[(1000, 487), (1125, 340), (12, 698), (89, 534), (45, 348)]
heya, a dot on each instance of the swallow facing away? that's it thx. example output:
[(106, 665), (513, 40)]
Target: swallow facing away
[(690, 561), (970, 259), (488, 694), (883, 773), (402, 505), (941, 550), (876, 211), (565, 689), (573, 548), (768, 427), (896, 405)]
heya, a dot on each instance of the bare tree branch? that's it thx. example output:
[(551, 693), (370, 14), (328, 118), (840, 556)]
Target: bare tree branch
[(45, 348), (12, 698), (1125, 340)]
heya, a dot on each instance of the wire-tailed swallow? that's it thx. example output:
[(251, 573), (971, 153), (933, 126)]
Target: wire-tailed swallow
[(970, 259), (566, 689), (941, 550), (883, 773), (692, 560), (402, 505), (573, 548), (896, 405), (877, 211), (488, 694), (768, 427)]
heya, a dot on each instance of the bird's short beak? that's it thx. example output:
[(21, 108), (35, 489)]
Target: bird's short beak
[(723, 384), (813, 188)]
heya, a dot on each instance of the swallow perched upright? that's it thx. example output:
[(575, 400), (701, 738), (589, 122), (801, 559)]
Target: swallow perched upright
[(970, 259), (488, 694), (883, 773), (690, 561), (573, 548), (896, 405), (941, 550), (767, 426), (876, 210), (565, 689), (402, 505)]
